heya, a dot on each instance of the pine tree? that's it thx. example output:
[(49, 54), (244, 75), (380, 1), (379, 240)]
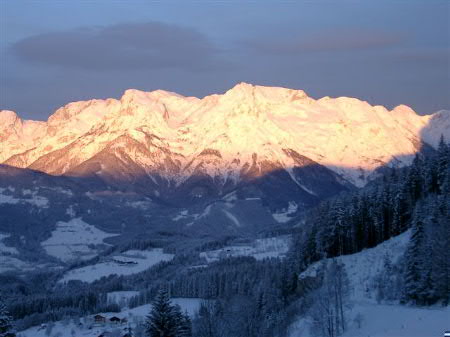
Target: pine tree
[(206, 322), (440, 243), (340, 225), (414, 180), (184, 326), (183, 322), (443, 165), (162, 321), (6, 327), (414, 271), (401, 213), (384, 282)]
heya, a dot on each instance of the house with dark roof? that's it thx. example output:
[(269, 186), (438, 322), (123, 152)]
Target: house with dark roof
[(99, 319)]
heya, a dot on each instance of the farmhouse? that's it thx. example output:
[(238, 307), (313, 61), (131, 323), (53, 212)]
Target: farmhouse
[(99, 319)]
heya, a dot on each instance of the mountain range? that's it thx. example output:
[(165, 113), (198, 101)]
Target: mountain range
[(247, 160), (246, 133)]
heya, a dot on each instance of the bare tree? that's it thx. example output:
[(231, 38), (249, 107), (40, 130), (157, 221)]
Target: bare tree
[(330, 301)]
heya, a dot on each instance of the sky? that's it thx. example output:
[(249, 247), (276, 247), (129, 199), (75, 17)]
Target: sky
[(53, 52)]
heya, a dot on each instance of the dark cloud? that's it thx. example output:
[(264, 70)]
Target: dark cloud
[(150, 45), (326, 41)]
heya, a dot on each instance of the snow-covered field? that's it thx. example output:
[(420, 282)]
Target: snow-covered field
[(126, 263), (285, 215), (85, 327), (380, 320), (11, 263), (259, 249), (121, 297), (189, 305), (29, 196), (74, 240), (398, 321), (10, 259)]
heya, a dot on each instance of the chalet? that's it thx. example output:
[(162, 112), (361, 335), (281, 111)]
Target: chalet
[(115, 320), (124, 320), (99, 319)]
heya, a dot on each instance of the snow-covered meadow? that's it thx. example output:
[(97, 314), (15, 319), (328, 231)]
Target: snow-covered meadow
[(28, 196), (273, 247), (121, 298), (285, 215), (74, 240), (126, 263)]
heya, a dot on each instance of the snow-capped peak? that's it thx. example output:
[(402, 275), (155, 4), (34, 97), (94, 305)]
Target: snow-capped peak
[(245, 91), (7, 118), (143, 97)]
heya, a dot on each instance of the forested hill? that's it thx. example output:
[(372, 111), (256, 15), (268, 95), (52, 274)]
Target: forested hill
[(416, 197)]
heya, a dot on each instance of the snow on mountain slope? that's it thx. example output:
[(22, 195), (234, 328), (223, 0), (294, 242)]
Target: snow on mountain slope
[(439, 124), (379, 320), (248, 131), (17, 135)]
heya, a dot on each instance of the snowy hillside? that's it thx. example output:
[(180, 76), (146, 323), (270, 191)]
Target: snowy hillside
[(381, 320), (248, 131), (366, 316), (363, 267)]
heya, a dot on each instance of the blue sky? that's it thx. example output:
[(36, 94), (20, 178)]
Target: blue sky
[(386, 52)]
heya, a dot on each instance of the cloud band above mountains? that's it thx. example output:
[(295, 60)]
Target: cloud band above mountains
[(122, 46)]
